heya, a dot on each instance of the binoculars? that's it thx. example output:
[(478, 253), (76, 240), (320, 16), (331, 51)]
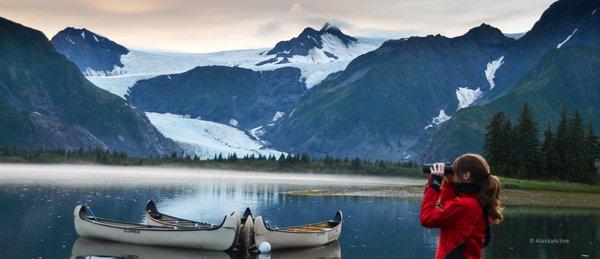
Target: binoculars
[(447, 168)]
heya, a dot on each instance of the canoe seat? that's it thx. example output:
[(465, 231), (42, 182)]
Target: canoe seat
[(311, 228)]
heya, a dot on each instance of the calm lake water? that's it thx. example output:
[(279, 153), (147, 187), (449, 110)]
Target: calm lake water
[(37, 204)]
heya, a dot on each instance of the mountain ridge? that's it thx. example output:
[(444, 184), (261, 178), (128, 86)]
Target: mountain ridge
[(564, 77), (92, 53), (45, 102), (222, 94), (378, 105)]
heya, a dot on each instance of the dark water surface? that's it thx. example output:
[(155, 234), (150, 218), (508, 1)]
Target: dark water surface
[(37, 219)]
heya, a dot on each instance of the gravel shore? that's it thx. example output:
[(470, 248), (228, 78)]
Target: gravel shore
[(508, 196)]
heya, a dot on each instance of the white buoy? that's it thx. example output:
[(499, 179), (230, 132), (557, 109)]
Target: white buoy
[(264, 247)]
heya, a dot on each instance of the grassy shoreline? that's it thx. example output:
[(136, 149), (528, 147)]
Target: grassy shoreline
[(516, 192)]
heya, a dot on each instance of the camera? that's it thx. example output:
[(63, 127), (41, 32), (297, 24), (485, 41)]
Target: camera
[(447, 168)]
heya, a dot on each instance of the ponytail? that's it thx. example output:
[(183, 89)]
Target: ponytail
[(489, 194), (489, 198)]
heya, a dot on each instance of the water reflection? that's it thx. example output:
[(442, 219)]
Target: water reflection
[(92, 248), (330, 251), (37, 217)]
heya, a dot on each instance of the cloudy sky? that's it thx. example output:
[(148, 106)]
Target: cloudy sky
[(205, 26)]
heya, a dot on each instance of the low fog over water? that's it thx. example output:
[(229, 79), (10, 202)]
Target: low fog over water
[(82, 175)]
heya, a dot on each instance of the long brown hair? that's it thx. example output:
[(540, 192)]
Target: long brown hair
[(479, 169)]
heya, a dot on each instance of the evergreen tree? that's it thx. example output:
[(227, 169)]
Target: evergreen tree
[(356, 163), (493, 139), (282, 161), (549, 154), (528, 145), (304, 158), (576, 149), (591, 155), (562, 143), (289, 158), (328, 160), (499, 144)]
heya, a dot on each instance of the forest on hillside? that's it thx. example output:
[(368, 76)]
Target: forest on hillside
[(567, 152)]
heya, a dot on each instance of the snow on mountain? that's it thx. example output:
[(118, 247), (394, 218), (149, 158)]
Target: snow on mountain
[(467, 96), (257, 132), (441, 118), (139, 65), (490, 71), (278, 116), (94, 54), (333, 54), (326, 46), (233, 122), (207, 139), (567, 39)]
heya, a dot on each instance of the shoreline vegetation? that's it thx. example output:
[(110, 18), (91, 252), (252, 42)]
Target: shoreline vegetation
[(515, 191)]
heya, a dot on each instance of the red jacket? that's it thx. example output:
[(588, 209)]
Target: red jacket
[(459, 218)]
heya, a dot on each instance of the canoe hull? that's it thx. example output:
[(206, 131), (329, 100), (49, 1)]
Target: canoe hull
[(222, 238), (155, 218), (247, 232), (287, 240)]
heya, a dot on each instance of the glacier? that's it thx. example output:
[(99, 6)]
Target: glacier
[(206, 138), (467, 96), (139, 65), (490, 71), (567, 39)]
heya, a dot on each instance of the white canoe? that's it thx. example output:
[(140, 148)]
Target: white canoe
[(156, 218), (95, 248), (247, 231), (222, 237), (316, 234)]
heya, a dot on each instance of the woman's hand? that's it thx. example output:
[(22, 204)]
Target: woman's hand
[(438, 169), (437, 175)]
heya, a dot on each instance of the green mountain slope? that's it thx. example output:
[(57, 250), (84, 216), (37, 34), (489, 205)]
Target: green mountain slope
[(564, 23), (220, 93), (45, 102), (384, 99), (569, 77)]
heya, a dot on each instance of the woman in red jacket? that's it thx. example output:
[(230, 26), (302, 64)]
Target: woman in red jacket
[(462, 206)]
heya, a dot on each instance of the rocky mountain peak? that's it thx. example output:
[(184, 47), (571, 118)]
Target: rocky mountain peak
[(488, 33), (92, 53)]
